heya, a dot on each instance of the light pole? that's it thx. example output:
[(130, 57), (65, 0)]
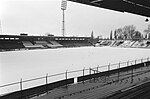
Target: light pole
[(63, 8)]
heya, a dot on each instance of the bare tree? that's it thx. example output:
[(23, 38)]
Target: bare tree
[(119, 33), (128, 32)]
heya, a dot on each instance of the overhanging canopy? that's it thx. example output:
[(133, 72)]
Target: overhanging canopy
[(140, 7)]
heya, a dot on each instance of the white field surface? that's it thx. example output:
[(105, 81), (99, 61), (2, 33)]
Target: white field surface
[(28, 64)]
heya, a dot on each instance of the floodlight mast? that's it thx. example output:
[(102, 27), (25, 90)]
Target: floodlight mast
[(63, 8)]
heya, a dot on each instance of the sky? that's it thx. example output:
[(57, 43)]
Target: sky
[(38, 17)]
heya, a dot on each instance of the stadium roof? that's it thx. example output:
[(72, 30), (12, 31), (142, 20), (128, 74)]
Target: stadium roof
[(139, 7)]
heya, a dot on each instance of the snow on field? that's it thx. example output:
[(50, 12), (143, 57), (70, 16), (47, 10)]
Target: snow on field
[(36, 63)]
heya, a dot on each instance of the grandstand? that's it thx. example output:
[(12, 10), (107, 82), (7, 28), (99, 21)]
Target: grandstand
[(55, 44), (29, 45), (74, 43), (125, 43), (12, 42)]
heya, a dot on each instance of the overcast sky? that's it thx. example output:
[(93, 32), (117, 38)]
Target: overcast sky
[(37, 17)]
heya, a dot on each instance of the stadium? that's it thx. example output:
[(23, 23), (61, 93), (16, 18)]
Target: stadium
[(77, 67)]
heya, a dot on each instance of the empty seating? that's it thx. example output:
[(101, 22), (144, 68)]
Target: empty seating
[(132, 42), (15, 44), (125, 44), (41, 44), (29, 45), (55, 43), (52, 46), (74, 43)]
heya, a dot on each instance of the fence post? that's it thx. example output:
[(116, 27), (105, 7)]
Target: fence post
[(118, 71), (94, 73), (147, 61), (21, 84), (46, 79), (46, 82), (66, 74), (132, 75), (97, 68), (89, 71), (135, 62), (83, 74), (127, 63), (108, 69), (21, 88)]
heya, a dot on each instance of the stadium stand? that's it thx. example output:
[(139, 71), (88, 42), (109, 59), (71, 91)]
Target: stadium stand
[(136, 44), (11, 44), (132, 42), (118, 43), (28, 44), (124, 43), (144, 43), (41, 44), (113, 42), (55, 43), (74, 43)]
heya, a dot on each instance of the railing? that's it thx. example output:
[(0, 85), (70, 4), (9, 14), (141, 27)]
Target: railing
[(77, 75)]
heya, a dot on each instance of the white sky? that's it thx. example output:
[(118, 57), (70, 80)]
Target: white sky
[(37, 17)]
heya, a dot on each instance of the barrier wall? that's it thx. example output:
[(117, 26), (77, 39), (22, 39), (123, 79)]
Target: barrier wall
[(35, 91), (107, 73)]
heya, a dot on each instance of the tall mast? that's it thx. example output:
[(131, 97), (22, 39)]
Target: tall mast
[(63, 8)]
